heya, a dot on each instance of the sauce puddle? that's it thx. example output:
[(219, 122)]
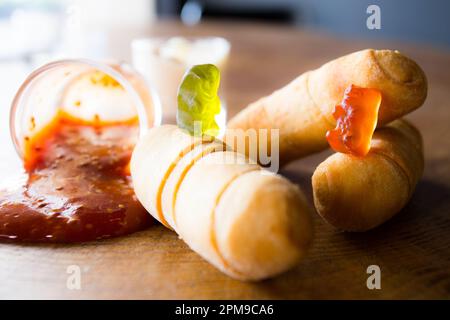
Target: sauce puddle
[(78, 185)]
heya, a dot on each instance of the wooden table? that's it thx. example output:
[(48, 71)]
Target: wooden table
[(412, 250)]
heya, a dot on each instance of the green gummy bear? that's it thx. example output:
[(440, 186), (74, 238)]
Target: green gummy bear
[(198, 102)]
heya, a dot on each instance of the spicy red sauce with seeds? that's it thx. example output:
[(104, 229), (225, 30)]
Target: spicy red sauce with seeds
[(78, 186)]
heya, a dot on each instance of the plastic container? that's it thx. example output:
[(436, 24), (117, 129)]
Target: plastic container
[(72, 86), (164, 61)]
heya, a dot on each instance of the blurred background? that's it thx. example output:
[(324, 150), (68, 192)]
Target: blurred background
[(34, 32), (30, 27)]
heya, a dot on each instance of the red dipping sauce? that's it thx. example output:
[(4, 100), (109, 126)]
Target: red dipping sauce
[(78, 185)]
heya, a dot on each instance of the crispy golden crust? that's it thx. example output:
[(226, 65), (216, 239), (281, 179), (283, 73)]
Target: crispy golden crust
[(156, 166), (302, 110), (260, 210), (358, 194), (247, 222)]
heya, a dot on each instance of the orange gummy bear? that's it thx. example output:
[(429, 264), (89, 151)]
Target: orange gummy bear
[(356, 118)]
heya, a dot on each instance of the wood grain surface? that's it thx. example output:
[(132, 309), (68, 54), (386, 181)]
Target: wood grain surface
[(412, 250)]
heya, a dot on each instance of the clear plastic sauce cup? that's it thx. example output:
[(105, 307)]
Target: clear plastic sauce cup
[(164, 61), (72, 86)]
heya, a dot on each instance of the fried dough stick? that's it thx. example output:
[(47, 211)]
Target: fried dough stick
[(360, 193), (249, 223), (302, 110)]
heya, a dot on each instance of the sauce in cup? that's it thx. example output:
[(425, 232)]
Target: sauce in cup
[(77, 185)]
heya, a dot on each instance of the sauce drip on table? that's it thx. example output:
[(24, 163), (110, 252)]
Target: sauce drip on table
[(78, 186)]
